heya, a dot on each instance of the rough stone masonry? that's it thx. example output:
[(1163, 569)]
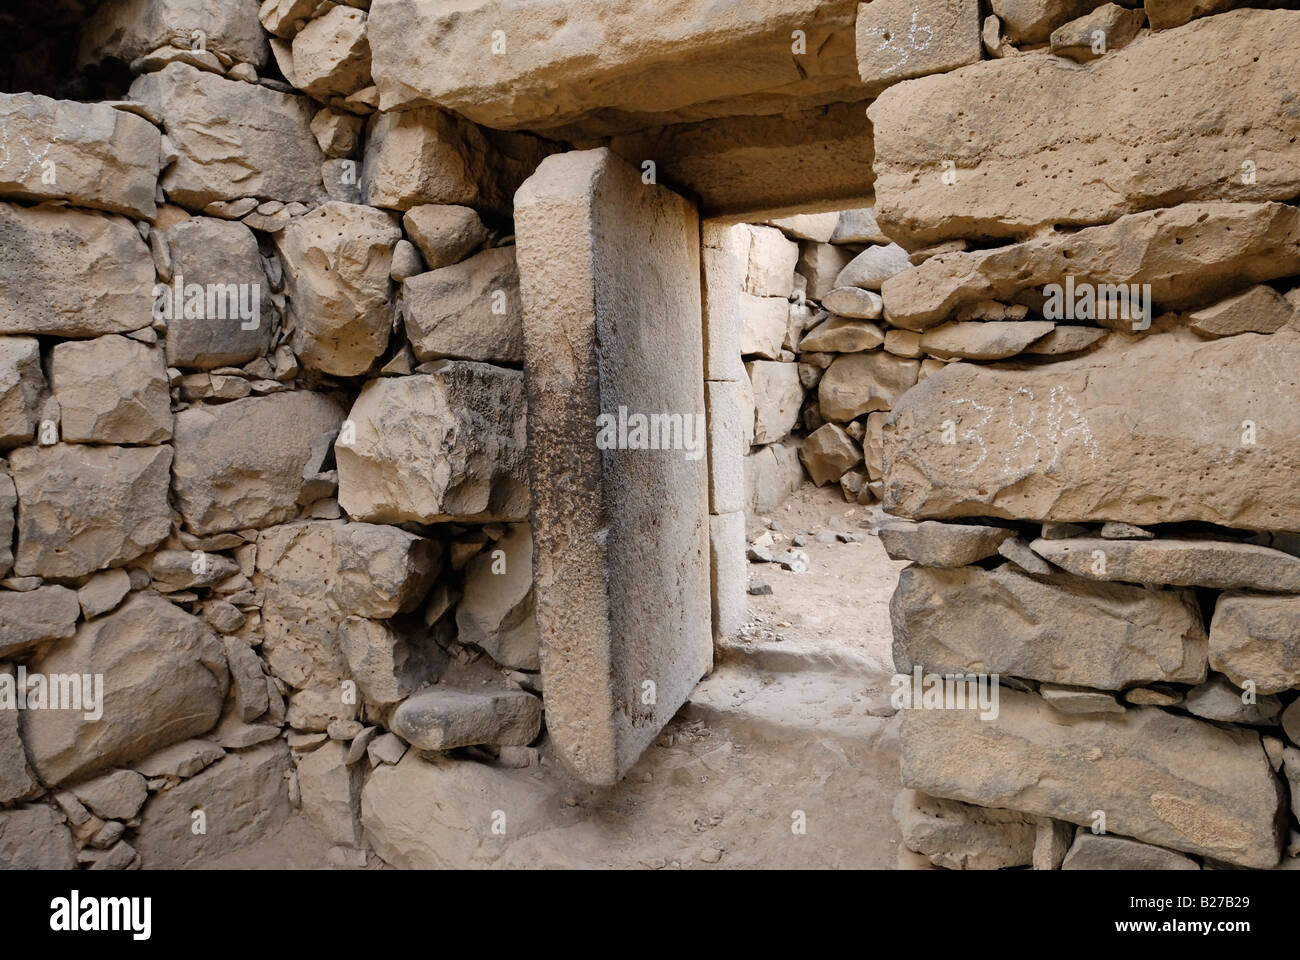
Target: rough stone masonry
[(309, 310)]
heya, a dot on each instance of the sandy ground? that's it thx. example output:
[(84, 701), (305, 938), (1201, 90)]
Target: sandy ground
[(784, 757)]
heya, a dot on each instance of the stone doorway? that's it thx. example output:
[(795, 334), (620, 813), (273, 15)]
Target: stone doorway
[(642, 579)]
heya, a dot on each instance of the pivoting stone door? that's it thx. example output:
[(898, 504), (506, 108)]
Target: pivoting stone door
[(610, 274)]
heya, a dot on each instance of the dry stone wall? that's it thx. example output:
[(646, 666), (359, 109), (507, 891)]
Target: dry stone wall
[(1093, 495), (263, 492), (267, 355)]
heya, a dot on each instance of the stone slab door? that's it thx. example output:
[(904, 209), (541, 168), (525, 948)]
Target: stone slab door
[(610, 275)]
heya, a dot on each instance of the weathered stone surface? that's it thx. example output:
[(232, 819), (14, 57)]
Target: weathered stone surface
[(331, 792), (318, 573), (873, 446), (128, 30), (1222, 564), (1029, 443), (445, 233), (808, 226), (35, 838), (854, 302), (337, 261), (633, 329), (496, 611), (764, 322), (1189, 254), (1017, 551), (1290, 720), (959, 836), (72, 273), (339, 135), (728, 573), (21, 386), (467, 311), (901, 39), (180, 760), (247, 679), (858, 383), (240, 464), (772, 473), (441, 446), (1032, 21), (233, 139), (1052, 843), (1258, 639), (221, 256), (1095, 852), (86, 153), (723, 255), (111, 390), (1054, 628), (934, 544), (428, 156), (858, 225), (331, 55), (820, 264), (284, 18), (1161, 778), (1062, 340), (438, 813), (1078, 700), (983, 340), (1216, 699), (1291, 768), (115, 796), (1260, 309), (1174, 13), (16, 777), (244, 798), (441, 718), (705, 60), (873, 266), (828, 453), (769, 263), (82, 508), (103, 592), (1079, 38), (762, 166), (778, 394), (1002, 188), (730, 432), (164, 680), (31, 616), (839, 335), (388, 661)]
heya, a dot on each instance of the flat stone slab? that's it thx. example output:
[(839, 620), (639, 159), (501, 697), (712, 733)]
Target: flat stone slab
[(89, 154), (610, 276), (993, 126), (1257, 638), (1221, 564), (1103, 852), (1084, 440), (1057, 629), (1190, 255), (934, 544), (614, 66), (1161, 778)]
